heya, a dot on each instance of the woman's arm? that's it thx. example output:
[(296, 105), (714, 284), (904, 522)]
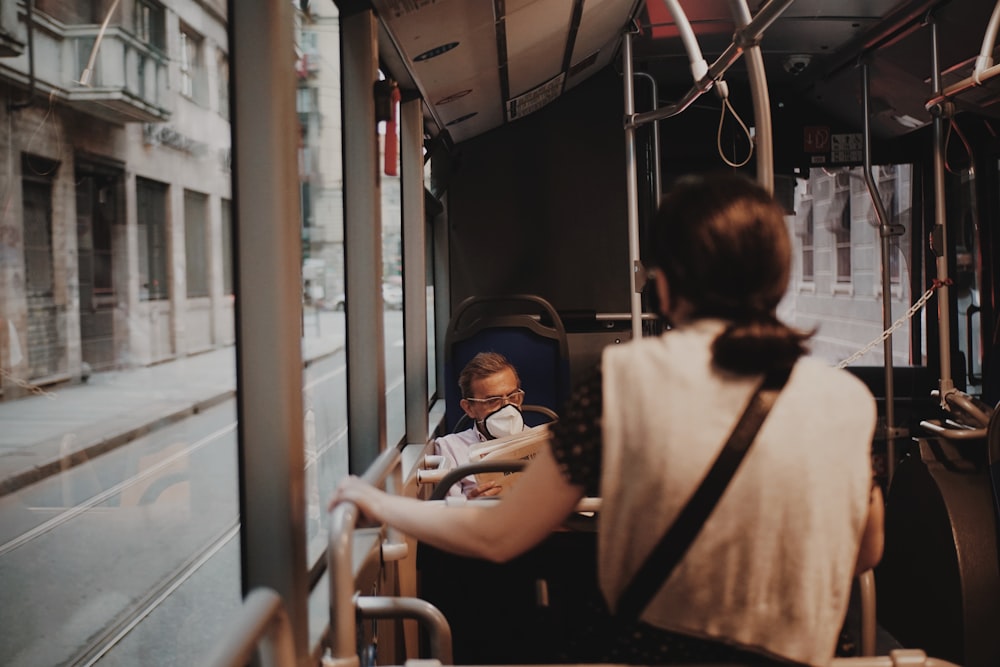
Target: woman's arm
[(873, 538), (534, 507)]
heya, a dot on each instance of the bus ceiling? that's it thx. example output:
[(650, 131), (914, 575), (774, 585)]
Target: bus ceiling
[(477, 71)]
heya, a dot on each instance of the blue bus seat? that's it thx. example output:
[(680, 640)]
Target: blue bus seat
[(524, 328)]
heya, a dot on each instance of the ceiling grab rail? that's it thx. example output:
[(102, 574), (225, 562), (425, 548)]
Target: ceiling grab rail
[(984, 69), (747, 36), (761, 98), (340, 559), (886, 231), (699, 67), (939, 235), (752, 32)]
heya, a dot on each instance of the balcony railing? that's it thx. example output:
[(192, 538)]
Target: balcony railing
[(129, 79)]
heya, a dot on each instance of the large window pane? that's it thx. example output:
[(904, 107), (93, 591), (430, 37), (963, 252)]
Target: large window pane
[(323, 303), (119, 514), (392, 277)]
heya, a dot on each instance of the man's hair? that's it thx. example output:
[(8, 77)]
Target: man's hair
[(482, 366)]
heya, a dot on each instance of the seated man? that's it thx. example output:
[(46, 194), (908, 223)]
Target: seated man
[(491, 398)]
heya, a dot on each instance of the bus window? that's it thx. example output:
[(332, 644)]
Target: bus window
[(836, 281), (392, 272), (967, 274)]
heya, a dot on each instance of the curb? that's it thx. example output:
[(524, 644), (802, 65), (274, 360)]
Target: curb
[(103, 445)]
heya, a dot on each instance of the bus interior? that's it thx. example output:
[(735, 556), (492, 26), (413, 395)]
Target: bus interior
[(408, 180)]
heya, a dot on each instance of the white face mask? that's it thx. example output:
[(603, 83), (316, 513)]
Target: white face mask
[(503, 422)]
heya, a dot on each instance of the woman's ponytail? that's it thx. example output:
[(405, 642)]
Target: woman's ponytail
[(757, 345)]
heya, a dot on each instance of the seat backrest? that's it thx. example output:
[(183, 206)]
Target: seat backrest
[(524, 328)]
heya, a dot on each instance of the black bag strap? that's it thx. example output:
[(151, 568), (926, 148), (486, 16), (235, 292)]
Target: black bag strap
[(675, 542)]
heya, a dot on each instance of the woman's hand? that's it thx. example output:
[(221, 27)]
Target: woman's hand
[(533, 508), (365, 496)]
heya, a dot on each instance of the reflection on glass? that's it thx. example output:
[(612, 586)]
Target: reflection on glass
[(321, 181), (431, 341), (118, 486), (431, 344), (967, 276), (392, 274)]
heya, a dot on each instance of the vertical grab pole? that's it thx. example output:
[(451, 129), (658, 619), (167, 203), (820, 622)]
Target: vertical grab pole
[(343, 623), (763, 143), (940, 233), (631, 183), (657, 180), (885, 232)]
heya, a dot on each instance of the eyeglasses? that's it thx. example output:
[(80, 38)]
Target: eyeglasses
[(491, 403)]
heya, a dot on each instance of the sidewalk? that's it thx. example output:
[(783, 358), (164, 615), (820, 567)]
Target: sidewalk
[(41, 435)]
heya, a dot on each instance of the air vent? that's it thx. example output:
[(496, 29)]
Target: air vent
[(435, 52)]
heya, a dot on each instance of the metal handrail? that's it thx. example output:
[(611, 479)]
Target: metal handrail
[(908, 657), (982, 72), (964, 403), (458, 473), (340, 559), (934, 426), (866, 588), (960, 403), (439, 632), (763, 144), (940, 230), (886, 232), (262, 626)]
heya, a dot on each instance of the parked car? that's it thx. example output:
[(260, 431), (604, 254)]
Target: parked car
[(392, 298)]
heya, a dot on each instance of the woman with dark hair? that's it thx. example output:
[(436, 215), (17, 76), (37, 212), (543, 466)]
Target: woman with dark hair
[(721, 251), (767, 577)]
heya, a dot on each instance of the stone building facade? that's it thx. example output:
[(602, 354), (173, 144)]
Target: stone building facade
[(115, 235)]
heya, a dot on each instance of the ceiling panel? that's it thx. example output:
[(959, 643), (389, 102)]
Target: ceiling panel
[(449, 48), (487, 70), (601, 29), (536, 42)]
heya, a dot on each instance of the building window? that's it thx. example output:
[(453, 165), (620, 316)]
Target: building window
[(192, 70), (808, 274), (39, 277), (842, 180), (223, 84), (227, 247), (45, 324), (842, 242), (196, 243), (151, 209), (894, 247), (150, 24), (97, 212)]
